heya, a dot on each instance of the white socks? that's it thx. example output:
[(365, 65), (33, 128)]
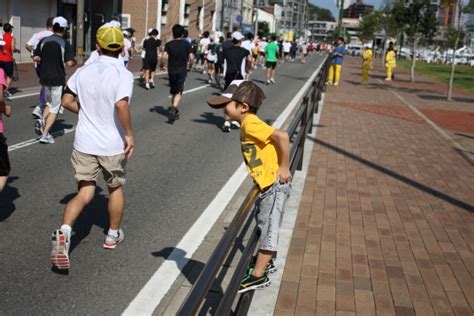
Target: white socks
[(67, 230), (113, 232)]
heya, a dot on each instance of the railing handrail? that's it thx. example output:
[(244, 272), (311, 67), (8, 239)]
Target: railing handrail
[(202, 285)]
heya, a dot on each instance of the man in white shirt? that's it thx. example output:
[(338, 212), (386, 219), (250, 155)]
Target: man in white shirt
[(262, 44), (248, 45), (204, 44), (127, 48), (286, 49), (100, 93), (31, 46)]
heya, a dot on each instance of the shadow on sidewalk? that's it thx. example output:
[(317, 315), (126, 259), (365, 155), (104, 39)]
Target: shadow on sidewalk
[(399, 177), (7, 196), (443, 98)]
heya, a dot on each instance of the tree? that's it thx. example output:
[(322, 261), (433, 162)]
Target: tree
[(418, 20), (320, 13), (263, 29), (369, 25), (457, 37)]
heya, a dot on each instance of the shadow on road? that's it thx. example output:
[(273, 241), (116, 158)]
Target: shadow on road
[(59, 127), (191, 269), (210, 118), (95, 214), (7, 196)]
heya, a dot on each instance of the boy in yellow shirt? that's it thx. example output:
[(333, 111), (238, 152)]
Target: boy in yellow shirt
[(266, 152)]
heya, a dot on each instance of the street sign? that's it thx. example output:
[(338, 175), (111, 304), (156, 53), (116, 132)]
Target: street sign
[(239, 18)]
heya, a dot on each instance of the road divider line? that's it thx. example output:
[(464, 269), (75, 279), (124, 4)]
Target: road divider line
[(194, 89), (36, 140), (161, 281)]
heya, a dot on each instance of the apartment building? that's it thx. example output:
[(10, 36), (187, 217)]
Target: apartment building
[(196, 15)]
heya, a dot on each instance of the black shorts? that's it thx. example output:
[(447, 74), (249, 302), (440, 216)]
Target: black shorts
[(149, 65), (7, 67), (177, 82), (271, 64), (4, 161)]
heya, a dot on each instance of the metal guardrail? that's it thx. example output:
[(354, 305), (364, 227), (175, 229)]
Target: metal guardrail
[(301, 125)]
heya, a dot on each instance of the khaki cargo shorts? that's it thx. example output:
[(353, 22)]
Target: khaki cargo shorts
[(87, 168)]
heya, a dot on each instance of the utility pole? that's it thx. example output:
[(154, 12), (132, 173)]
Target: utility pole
[(339, 22), (80, 28), (256, 17)]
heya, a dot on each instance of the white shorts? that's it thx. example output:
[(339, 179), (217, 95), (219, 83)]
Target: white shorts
[(53, 95)]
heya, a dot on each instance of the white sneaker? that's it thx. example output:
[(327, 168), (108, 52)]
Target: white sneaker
[(234, 125), (111, 242), (60, 250), (37, 113), (39, 126), (272, 80), (147, 86), (46, 139), (268, 82), (226, 127)]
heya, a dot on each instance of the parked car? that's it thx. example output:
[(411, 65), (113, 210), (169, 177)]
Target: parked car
[(354, 50)]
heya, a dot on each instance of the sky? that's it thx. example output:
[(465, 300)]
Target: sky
[(331, 4)]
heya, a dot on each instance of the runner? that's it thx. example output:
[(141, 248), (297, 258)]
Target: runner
[(271, 59), (249, 45), (262, 44), (211, 59), (203, 44), (31, 46), (151, 46), (103, 140), (6, 55), (52, 52), (286, 49), (236, 59), (4, 109), (179, 53), (127, 48)]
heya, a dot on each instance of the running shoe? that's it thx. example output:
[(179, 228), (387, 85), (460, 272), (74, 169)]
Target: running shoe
[(268, 82), (60, 250), (37, 113), (173, 114), (47, 139), (269, 269), (251, 282), (39, 126), (7, 95), (272, 80), (111, 242), (226, 127), (147, 86), (152, 85), (234, 125)]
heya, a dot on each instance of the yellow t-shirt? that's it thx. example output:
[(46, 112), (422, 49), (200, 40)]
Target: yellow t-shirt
[(259, 153)]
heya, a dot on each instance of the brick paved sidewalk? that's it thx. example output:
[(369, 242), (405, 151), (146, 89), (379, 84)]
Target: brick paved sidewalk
[(386, 220)]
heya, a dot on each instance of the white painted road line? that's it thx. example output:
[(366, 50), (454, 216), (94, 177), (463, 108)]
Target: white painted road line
[(159, 284), (37, 93), (36, 140), (194, 89)]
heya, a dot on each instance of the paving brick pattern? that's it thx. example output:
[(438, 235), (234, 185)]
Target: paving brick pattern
[(386, 220)]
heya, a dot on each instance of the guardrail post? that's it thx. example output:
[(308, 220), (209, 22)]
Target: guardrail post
[(303, 130)]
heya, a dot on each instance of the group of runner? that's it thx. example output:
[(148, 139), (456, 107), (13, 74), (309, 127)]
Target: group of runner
[(100, 92)]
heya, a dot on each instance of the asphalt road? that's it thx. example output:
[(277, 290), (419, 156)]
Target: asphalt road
[(174, 174)]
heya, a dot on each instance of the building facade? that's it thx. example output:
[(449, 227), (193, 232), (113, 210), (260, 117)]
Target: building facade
[(196, 15), (357, 9), (294, 17), (321, 30), (29, 17)]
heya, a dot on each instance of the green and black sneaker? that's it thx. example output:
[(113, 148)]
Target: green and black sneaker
[(270, 268), (251, 282)]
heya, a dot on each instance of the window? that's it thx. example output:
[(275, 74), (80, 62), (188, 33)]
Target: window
[(125, 17), (186, 14), (198, 18), (164, 11)]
